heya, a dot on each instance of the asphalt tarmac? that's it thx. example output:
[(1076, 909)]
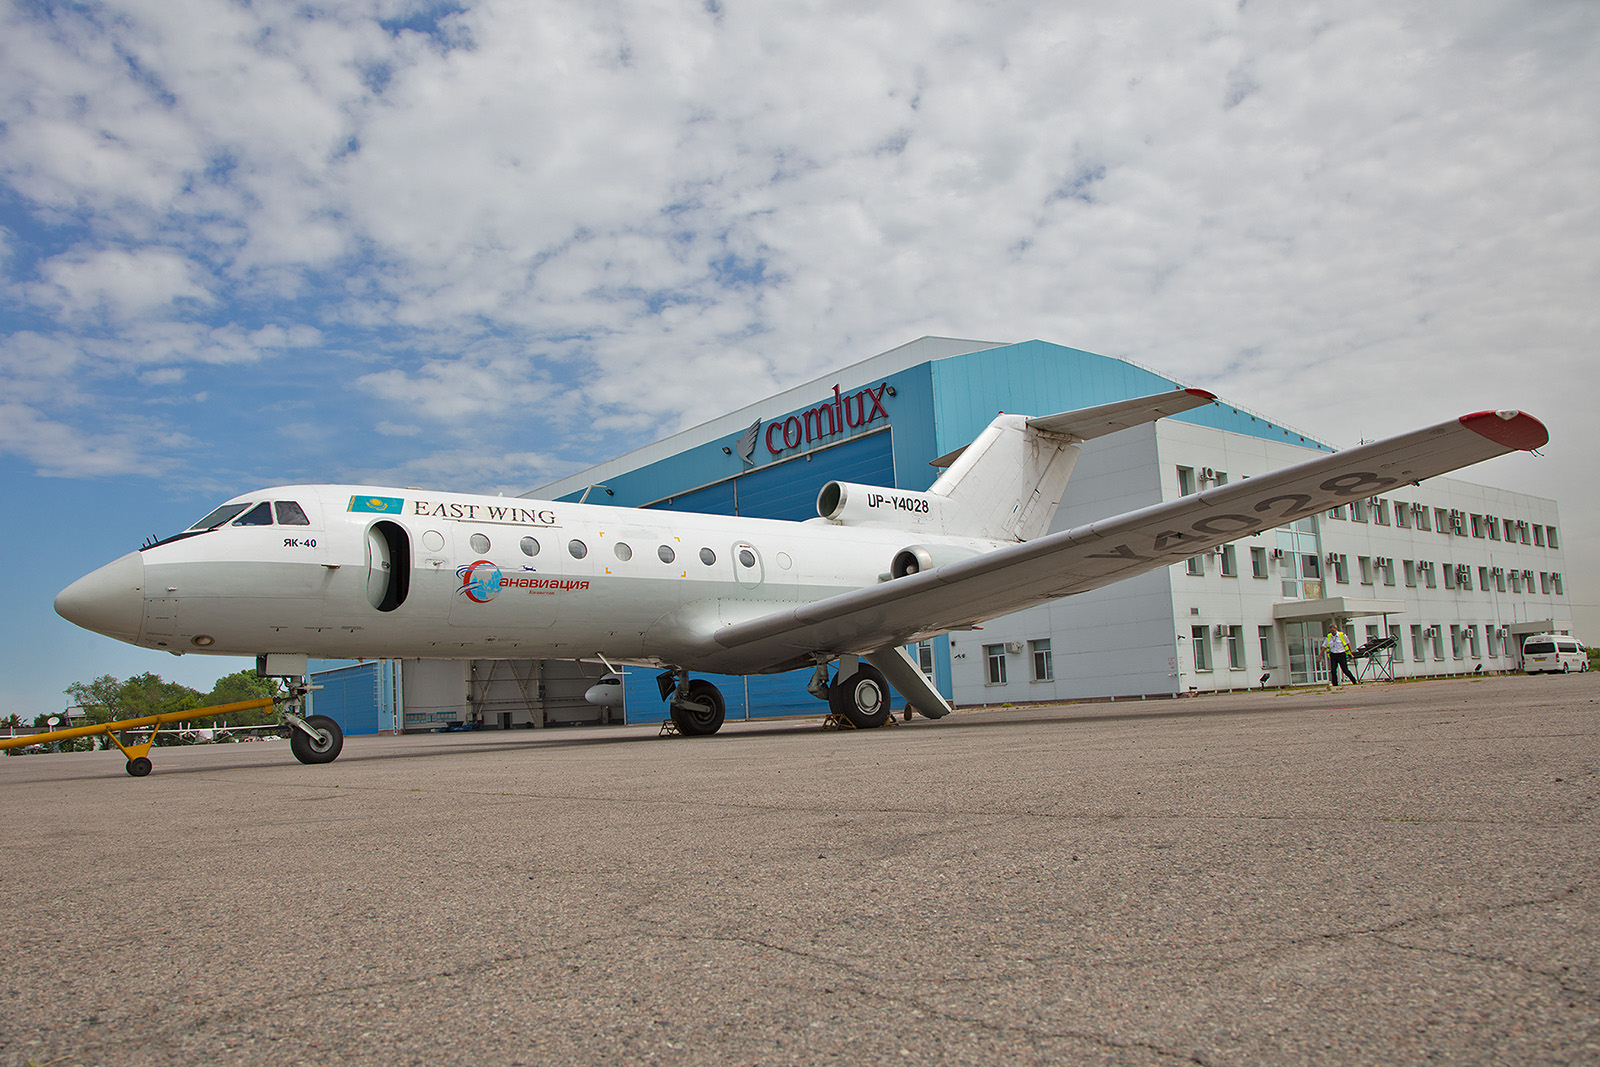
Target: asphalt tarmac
[(1388, 874)]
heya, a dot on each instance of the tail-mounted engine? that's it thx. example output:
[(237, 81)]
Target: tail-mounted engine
[(919, 558), (849, 504)]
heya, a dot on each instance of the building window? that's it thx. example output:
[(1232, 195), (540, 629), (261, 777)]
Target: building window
[(1472, 642), (1043, 665), (1264, 634), (1441, 520), (1402, 516), (1416, 642), (1358, 510), (1200, 638), (1230, 565), (1499, 580), (1364, 565), (1419, 512), (1399, 645), (1380, 511), (1457, 643), (1195, 565), (1409, 566), (1483, 579), (925, 657), (1538, 535), (1185, 481), (1386, 566), (1438, 642), (1492, 634), (1511, 529), (1550, 536), (1492, 525), (1258, 563), (1477, 525), (1341, 569), (1516, 581), (1429, 579), (1449, 576), (1236, 648), (1555, 583), (995, 657)]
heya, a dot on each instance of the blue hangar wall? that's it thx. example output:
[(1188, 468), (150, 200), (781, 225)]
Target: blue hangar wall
[(876, 431)]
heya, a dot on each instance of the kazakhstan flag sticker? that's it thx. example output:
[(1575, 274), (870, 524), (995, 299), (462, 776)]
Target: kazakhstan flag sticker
[(383, 505)]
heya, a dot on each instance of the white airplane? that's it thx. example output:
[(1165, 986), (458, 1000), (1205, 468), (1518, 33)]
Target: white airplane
[(353, 571)]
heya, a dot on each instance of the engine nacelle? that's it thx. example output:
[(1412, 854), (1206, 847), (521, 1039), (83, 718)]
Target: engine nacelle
[(918, 558), (873, 505)]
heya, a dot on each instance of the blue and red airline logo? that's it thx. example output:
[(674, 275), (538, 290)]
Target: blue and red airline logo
[(480, 581)]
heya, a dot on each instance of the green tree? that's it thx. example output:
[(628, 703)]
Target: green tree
[(244, 685), (99, 699)]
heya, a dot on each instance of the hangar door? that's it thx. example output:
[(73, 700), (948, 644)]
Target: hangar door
[(350, 696)]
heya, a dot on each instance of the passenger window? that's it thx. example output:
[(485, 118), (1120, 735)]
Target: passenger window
[(707, 557), (624, 553), (260, 515), (578, 549), (530, 547), (666, 554), (479, 543), (291, 514), (218, 517), (747, 558)]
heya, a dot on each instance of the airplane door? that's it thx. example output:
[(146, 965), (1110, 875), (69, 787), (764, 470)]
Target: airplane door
[(749, 569), (380, 567)]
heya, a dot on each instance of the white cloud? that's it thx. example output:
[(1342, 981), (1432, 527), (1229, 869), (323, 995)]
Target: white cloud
[(120, 283)]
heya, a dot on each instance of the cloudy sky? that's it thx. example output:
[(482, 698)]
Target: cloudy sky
[(483, 245)]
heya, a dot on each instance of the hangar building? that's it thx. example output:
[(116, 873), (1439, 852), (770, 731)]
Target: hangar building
[(1455, 572)]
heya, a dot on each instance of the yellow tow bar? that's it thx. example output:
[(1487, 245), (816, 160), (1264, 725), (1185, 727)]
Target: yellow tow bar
[(138, 755)]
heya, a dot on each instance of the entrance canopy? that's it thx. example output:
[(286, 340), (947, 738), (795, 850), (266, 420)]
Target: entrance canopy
[(1342, 607)]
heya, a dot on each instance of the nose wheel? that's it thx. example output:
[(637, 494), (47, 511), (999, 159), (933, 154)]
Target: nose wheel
[(315, 739)]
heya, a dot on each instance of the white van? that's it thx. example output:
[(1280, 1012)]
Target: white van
[(1553, 652)]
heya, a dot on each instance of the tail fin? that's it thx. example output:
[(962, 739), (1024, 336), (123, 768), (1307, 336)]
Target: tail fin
[(1007, 484)]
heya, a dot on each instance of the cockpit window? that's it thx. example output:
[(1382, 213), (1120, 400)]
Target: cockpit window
[(260, 515), (291, 514), (218, 517)]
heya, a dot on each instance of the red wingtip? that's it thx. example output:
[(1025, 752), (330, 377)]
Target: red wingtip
[(1513, 429), (1202, 393)]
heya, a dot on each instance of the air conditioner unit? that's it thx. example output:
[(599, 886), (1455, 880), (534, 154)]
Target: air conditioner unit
[(1013, 646), (1206, 474), (1277, 553), (1220, 631), (1333, 557)]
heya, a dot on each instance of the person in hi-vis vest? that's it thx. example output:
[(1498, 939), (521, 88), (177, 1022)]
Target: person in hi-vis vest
[(1338, 656)]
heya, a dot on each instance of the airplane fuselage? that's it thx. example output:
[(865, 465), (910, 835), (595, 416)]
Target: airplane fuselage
[(374, 572)]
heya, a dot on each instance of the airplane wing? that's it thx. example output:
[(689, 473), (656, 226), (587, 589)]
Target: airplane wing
[(959, 595)]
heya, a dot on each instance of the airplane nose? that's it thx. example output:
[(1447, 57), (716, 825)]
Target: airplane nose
[(108, 601)]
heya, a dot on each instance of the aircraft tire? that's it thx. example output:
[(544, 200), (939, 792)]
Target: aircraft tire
[(139, 766), (692, 722), (324, 748), (862, 699)]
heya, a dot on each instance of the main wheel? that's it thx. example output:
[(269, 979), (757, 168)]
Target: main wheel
[(139, 766), (324, 747), (692, 721), (861, 699)]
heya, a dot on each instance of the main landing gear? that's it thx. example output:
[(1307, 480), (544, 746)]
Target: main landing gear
[(861, 697), (697, 707)]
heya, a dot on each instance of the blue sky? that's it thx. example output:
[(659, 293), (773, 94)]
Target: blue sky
[(482, 246)]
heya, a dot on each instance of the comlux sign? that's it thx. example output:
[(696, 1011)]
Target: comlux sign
[(828, 419)]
